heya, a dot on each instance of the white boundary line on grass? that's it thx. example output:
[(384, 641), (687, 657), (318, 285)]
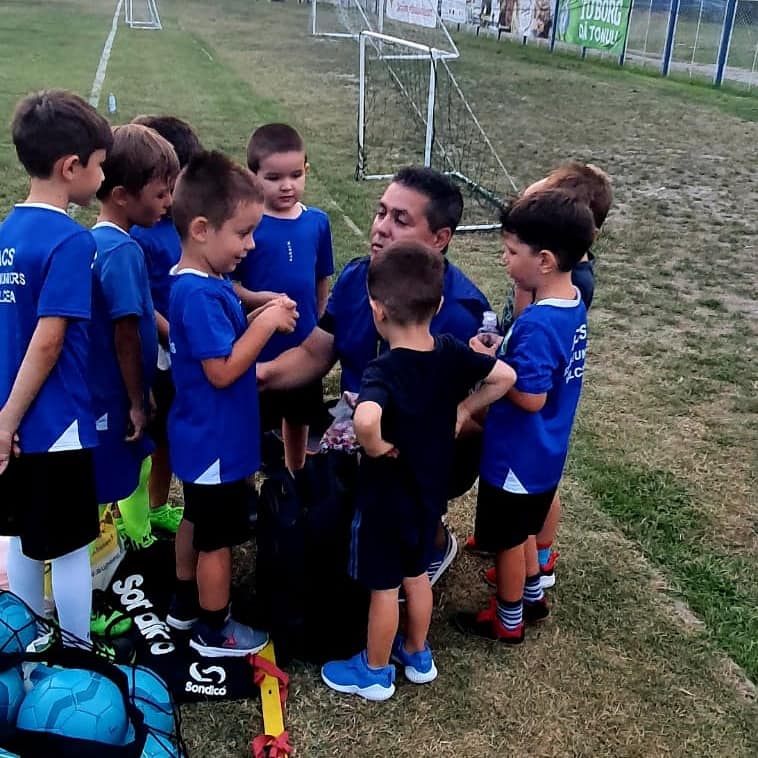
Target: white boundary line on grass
[(97, 85)]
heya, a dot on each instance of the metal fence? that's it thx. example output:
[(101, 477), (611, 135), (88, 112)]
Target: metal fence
[(712, 40), (698, 31)]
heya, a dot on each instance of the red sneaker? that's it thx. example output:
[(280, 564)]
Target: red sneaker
[(487, 625), (470, 547)]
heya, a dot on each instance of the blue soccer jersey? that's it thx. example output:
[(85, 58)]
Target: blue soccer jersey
[(290, 256), (120, 289), (356, 341), (45, 270), (213, 433), (162, 248), (525, 452)]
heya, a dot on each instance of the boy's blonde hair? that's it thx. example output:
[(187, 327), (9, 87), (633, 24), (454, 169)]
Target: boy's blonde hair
[(139, 156)]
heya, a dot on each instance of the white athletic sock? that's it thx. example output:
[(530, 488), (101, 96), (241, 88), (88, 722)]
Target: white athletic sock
[(72, 592), (26, 577)]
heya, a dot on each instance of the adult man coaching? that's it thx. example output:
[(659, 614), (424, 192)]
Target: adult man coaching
[(420, 204)]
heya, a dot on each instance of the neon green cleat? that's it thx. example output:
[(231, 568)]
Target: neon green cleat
[(166, 517), (106, 620)]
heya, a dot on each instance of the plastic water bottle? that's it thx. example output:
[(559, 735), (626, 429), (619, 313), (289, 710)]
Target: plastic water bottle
[(111, 103), (488, 331)]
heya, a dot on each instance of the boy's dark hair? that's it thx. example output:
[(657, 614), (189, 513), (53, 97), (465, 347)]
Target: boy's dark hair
[(139, 156), (407, 279), (179, 133), (554, 220), (55, 123), (445, 206), (212, 186), (272, 138), (588, 183)]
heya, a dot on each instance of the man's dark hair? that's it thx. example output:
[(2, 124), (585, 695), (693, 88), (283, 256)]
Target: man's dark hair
[(139, 156), (212, 186), (179, 133), (53, 124), (588, 183), (272, 138), (445, 206), (407, 278), (553, 220)]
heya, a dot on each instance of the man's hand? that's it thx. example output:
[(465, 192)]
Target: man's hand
[(137, 422), (8, 447)]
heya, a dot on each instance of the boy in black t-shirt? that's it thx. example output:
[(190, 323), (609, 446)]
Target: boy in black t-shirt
[(408, 413)]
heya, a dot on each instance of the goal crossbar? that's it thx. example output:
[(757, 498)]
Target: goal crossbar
[(151, 19)]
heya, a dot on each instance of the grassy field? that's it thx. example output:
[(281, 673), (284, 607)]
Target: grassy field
[(652, 648)]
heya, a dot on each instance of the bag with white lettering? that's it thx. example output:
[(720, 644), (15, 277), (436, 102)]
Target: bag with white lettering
[(142, 588)]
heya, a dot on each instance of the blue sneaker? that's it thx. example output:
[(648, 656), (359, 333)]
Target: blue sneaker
[(444, 558), (419, 667), (354, 677), (233, 638)]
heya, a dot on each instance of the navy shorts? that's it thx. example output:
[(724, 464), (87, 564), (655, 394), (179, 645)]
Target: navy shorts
[(219, 513), (163, 393), (49, 501), (506, 519), (300, 406)]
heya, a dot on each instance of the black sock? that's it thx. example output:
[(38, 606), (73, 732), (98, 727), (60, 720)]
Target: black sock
[(186, 592), (214, 619)]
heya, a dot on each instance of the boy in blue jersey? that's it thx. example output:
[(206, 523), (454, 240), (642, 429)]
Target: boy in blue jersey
[(139, 173), (408, 413), (213, 423), (526, 434), (162, 248), (293, 255), (588, 184), (47, 427)]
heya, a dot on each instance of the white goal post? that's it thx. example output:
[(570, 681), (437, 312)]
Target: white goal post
[(142, 14), (415, 20), (412, 110)]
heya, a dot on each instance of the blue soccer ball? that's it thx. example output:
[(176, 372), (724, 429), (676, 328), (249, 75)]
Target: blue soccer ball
[(11, 694), (18, 627), (152, 697), (75, 703), (159, 747)]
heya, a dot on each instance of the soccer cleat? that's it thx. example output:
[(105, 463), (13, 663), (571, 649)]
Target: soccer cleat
[(418, 667), (355, 677), (536, 612), (140, 544), (233, 639), (106, 620), (443, 558), (490, 576), (487, 625), (118, 522), (470, 547), (547, 571), (166, 517), (182, 615)]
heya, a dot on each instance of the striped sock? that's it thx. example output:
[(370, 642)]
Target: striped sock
[(511, 615), (533, 589), (543, 553)]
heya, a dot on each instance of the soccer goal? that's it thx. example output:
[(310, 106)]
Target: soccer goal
[(415, 20), (413, 111), (142, 14)]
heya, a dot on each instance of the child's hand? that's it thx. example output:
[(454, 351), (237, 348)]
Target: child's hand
[(462, 419), (8, 447), (281, 314), (486, 344), (137, 423), (385, 450)]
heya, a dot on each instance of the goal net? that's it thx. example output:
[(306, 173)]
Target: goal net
[(414, 20), (142, 14), (413, 111)]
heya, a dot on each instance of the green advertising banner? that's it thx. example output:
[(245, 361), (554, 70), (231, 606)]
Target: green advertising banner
[(602, 24)]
